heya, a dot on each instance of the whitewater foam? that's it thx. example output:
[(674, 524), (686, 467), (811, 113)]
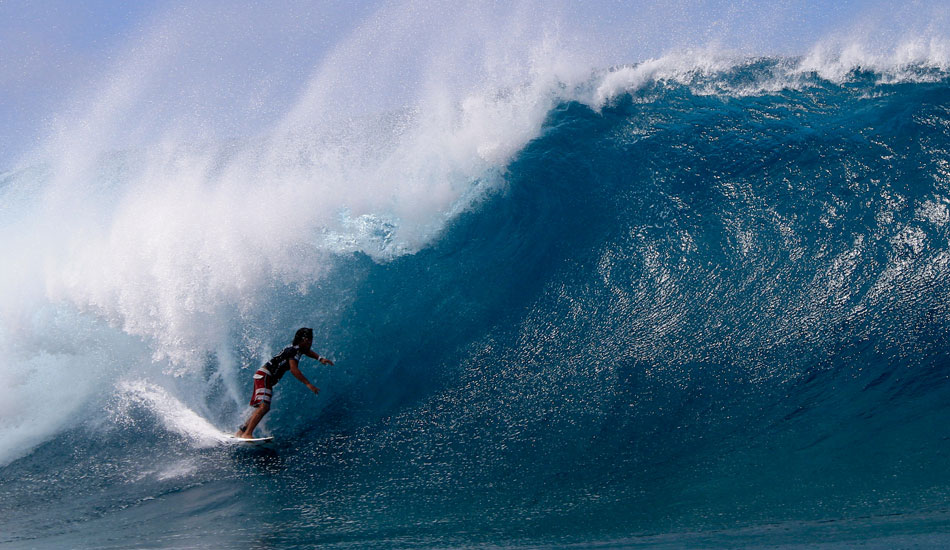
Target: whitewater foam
[(168, 411)]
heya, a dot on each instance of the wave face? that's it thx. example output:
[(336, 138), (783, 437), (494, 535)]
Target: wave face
[(675, 303)]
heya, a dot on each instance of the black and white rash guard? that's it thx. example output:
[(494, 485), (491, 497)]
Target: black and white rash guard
[(280, 363)]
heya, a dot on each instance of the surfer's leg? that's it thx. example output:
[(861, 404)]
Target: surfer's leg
[(247, 430), (263, 390)]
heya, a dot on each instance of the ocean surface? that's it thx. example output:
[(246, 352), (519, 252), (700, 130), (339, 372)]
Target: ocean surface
[(697, 301)]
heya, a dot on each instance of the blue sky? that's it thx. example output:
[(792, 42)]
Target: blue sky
[(55, 50), (251, 58), (47, 48)]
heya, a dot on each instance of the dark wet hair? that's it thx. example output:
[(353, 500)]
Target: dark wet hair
[(303, 333)]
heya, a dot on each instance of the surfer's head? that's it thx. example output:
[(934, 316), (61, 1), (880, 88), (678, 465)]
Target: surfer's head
[(304, 336)]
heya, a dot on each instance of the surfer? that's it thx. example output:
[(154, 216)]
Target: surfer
[(267, 376)]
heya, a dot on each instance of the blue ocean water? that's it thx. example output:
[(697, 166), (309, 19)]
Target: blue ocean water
[(699, 309)]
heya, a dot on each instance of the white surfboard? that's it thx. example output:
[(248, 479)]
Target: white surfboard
[(253, 441)]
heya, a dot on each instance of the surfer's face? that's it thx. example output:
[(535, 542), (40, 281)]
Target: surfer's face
[(306, 343)]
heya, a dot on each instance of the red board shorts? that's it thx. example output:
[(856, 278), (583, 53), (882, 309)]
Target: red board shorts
[(263, 388)]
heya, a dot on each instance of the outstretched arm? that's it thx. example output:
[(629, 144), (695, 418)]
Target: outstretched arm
[(295, 370), (315, 355)]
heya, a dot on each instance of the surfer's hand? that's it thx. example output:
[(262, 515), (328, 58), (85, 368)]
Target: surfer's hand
[(326, 361), (314, 389)]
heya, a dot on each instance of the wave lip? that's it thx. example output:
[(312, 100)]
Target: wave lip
[(714, 72)]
